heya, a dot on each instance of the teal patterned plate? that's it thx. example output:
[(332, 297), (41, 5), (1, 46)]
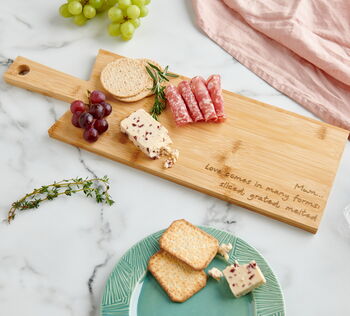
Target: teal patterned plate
[(132, 291)]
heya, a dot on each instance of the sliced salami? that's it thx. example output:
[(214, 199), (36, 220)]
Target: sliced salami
[(215, 91), (184, 88), (177, 106), (201, 93)]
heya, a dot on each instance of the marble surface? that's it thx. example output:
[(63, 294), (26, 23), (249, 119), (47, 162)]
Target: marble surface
[(55, 260)]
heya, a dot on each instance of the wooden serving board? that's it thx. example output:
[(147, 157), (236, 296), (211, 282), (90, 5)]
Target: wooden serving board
[(274, 162)]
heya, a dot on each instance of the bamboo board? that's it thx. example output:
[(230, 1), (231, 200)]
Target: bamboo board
[(266, 159)]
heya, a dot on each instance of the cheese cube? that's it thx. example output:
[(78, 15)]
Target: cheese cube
[(242, 279), (224, 250), (146, 133), (215, 273)]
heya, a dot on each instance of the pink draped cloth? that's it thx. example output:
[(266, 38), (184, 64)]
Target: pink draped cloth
[(300, 47)]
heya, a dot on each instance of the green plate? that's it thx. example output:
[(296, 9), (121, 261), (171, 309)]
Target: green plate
[(131, 290)]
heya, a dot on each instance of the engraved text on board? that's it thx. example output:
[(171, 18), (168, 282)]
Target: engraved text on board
[(300, 202)]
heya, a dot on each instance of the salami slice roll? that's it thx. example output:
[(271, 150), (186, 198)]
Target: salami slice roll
[(177, 106), (201, 93), (215, 91), (184, 88)]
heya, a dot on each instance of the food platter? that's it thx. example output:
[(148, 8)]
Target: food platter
[(131, 290), (268, 160)]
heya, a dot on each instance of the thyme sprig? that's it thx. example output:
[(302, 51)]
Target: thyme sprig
[(96, 188), (158, 76)]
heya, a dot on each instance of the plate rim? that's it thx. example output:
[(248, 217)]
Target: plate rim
[(238, 243)]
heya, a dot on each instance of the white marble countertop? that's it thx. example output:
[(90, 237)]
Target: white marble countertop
[(55, 260)]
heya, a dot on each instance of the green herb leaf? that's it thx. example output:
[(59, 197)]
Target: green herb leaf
[(155, 67), (151, 73), (171, 75), (158, 76), (96, 188)]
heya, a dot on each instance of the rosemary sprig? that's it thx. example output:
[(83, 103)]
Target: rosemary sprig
[(96, 188), (158, 76)]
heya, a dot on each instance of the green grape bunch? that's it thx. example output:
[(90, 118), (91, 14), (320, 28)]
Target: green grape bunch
[(124, 15)]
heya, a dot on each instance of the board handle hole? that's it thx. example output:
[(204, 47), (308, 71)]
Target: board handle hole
[(23, 70)]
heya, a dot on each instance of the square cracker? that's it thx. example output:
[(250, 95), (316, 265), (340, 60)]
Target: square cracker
[(189, 244), (177, 279)]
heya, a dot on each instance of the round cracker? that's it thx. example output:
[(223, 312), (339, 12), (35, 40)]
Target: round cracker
[(137, 97), (125, 77), (145, 92), (146, 62)]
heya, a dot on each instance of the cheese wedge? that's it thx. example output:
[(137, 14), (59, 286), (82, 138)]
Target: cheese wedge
[(146, 133)]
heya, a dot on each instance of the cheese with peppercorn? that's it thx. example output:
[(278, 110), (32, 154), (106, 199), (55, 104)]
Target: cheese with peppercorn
[(146, 133), (242, 279)]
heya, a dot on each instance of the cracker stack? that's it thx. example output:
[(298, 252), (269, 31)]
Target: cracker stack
[(127, 79), (189, 244), (177, 279), (178, 267)]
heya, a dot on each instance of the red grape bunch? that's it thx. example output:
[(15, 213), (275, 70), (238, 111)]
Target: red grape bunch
[(91, 117)]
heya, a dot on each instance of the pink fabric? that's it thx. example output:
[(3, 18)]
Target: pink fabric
[(300, 47)]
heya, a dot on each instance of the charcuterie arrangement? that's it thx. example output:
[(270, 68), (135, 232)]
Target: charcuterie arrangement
[(131, 80), (185, 253)]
